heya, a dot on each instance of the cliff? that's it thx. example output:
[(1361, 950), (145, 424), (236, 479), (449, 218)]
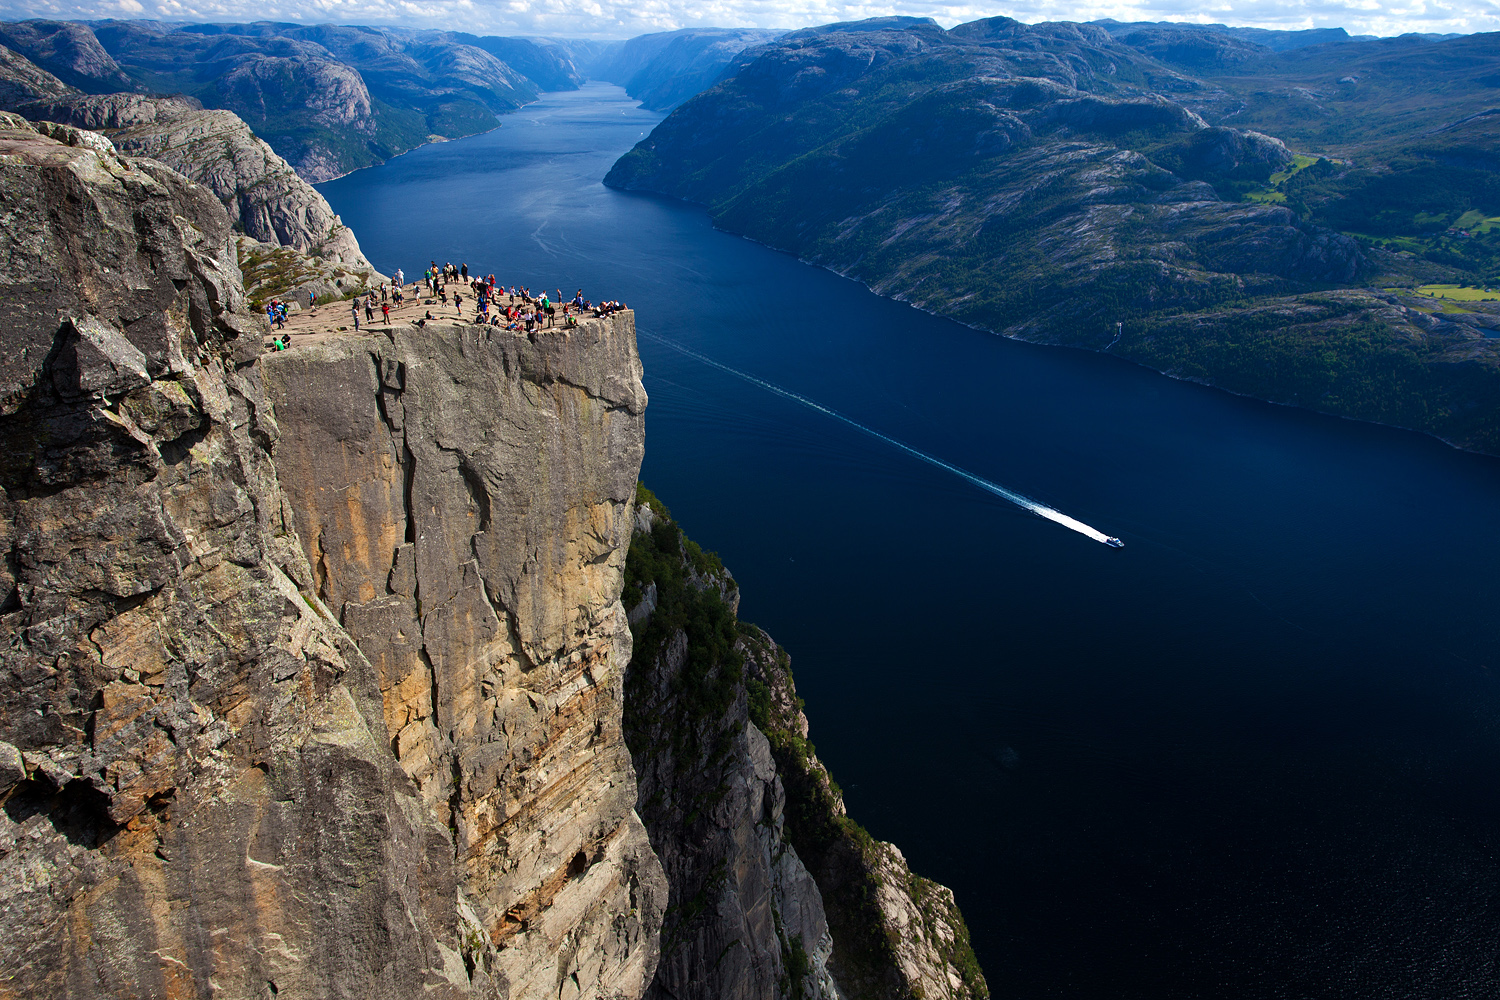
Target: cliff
[(315, 672), (319, 681), (775, 891), (1052, 183)]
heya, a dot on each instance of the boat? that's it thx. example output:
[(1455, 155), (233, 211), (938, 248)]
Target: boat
[(1114, 543)]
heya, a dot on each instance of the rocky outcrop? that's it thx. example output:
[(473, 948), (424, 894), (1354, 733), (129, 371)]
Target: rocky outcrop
[(262, 193), (474, 551), (895, 933), (265, 198), (69, 51), (316, 659), (204, 757), (22, 82), (775, 892)]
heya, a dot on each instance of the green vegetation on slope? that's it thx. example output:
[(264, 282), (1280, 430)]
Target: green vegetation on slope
[(1040, 197), (732, 672)]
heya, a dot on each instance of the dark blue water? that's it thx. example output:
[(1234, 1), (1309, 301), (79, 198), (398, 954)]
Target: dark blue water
[(1255, 753)]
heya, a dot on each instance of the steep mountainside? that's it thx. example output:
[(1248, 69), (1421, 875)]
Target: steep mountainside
[(264, 197), (775, 892), (662, 70), (328, 98), (315, 672), (69, 51), (1052, 182)]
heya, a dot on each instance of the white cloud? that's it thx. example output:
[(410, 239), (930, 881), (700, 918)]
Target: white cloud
[(616, 19)]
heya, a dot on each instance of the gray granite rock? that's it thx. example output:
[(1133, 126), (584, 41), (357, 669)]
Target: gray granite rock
[(268, 744)]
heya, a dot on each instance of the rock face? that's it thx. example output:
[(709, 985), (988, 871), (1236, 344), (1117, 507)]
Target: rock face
[(263, 195), (69, 51), (775, 892), (465, 505), (22, 82), (316, 658)]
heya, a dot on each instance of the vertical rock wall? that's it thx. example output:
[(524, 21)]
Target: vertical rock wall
[(776, 894), (198, 795), (465, 503), (313, 678)]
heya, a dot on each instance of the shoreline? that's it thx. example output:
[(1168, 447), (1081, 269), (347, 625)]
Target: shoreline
[(900, 297)]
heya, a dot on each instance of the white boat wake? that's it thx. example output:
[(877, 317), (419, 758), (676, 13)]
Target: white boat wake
[(1020, 500)]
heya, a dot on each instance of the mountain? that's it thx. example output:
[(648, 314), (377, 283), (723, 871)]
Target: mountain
[(662, 70), (549, 65), (264, 197), (328, 98), (69, 51), (1058, 183)]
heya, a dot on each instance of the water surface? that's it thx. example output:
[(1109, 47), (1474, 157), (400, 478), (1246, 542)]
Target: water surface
[(1255, 753)]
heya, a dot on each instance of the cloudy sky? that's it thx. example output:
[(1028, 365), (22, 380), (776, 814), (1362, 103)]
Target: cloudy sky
[(623, 18)]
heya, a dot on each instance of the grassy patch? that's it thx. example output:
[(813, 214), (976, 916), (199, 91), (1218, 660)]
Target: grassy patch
[(1299, 163), (1460, 293)]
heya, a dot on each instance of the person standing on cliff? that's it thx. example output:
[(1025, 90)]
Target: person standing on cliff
[(311, 300), (385, 311), (463, 271)]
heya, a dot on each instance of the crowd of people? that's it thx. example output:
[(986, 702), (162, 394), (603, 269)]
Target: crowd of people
[(515, 308), (490, 303), (276, 311)]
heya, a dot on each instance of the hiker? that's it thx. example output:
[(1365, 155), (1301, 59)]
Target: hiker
[(311, 300), (463, 269), (382, 292), (458, 303), (369, 312), (385, 311), (354, 314)]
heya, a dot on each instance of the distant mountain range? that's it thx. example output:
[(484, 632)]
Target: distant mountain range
[(334, 98), (1249, 209)]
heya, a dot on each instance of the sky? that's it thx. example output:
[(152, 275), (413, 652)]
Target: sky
[(625, 18)]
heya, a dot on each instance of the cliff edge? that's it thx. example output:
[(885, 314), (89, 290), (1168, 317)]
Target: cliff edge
[(316, 660)]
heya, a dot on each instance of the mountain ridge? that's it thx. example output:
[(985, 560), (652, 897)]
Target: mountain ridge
[(1053, 183)]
